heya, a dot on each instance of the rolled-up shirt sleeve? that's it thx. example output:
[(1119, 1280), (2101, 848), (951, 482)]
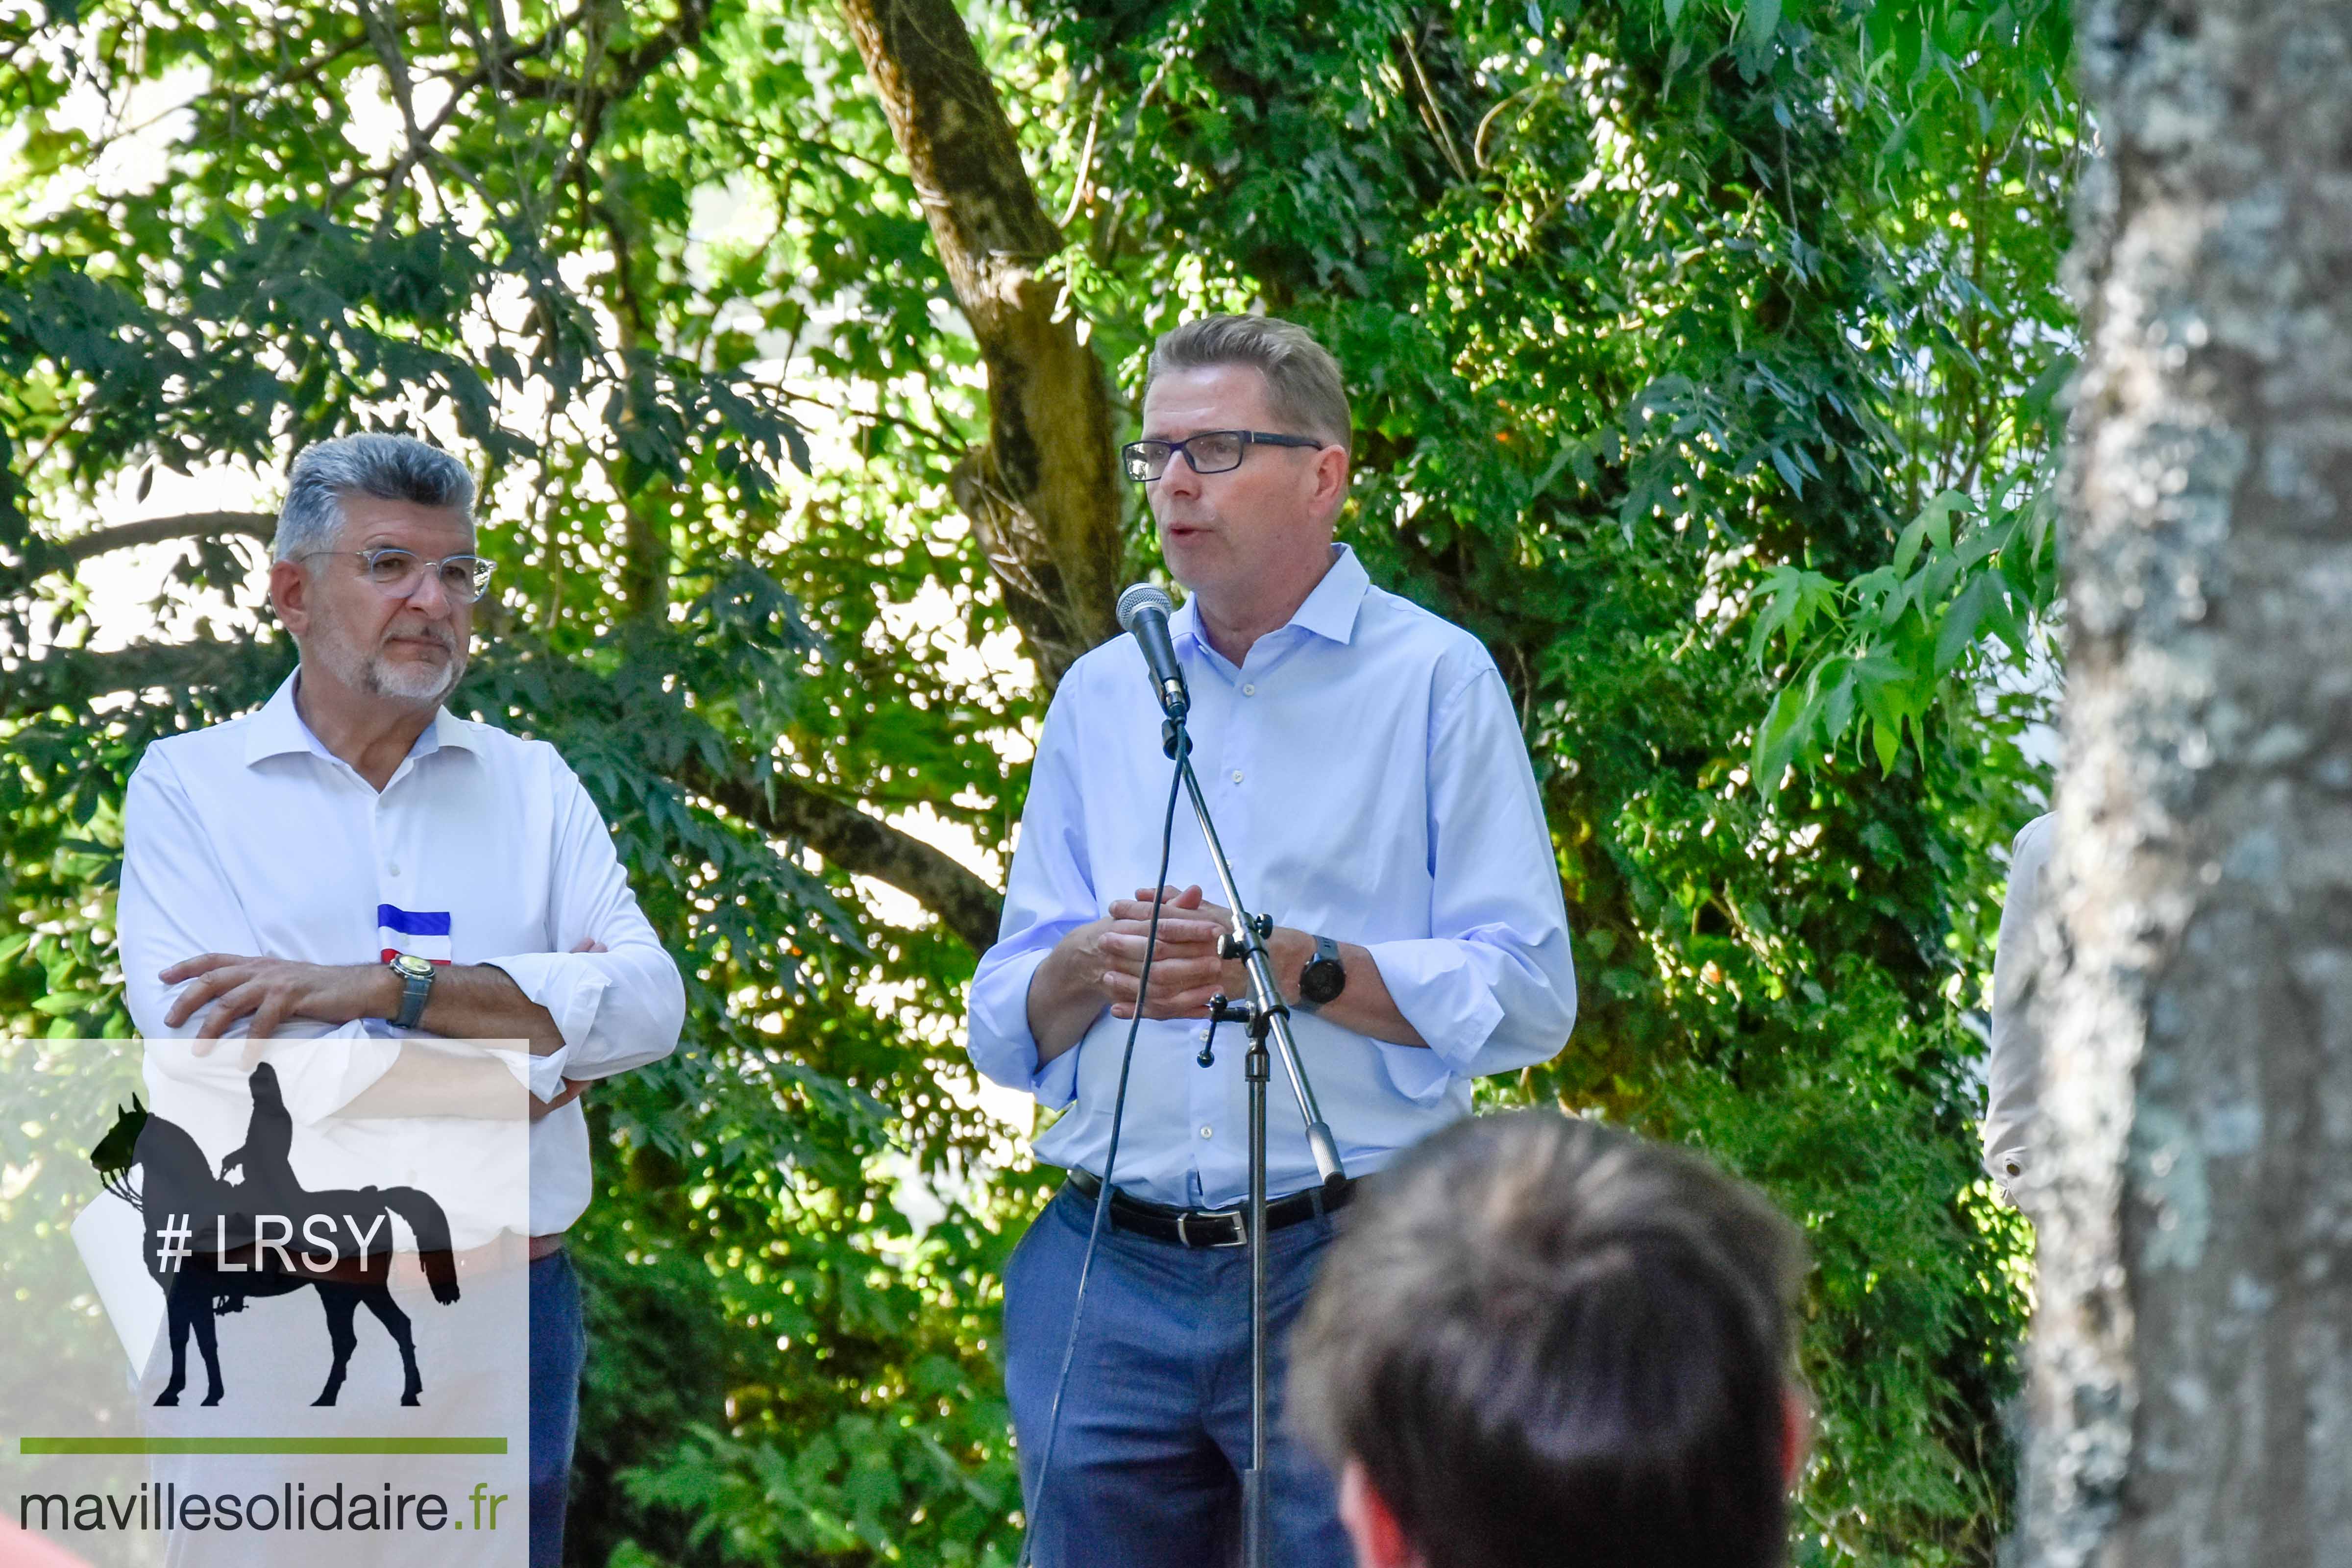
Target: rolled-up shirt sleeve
[(618, 1009), (1051, 893), (1493, 988)]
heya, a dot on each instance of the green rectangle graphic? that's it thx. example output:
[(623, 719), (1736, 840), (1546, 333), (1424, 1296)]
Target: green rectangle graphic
[(380, 1445)]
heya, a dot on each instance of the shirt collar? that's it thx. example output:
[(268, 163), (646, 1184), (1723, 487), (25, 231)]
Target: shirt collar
[(1329, 612), (278, 729)]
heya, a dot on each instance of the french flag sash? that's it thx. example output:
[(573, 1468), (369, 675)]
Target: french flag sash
[(418, 934)]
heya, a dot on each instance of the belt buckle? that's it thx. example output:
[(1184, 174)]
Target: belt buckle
[(1241, 1228)]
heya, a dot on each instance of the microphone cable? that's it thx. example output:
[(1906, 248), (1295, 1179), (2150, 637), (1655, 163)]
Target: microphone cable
[(1182, 749)]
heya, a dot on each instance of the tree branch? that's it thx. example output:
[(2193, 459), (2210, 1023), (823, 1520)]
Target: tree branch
[(258, 525), (75, 678), (862, 844), (1044, 495), (628, 69), (783, 808), (1433, 113)]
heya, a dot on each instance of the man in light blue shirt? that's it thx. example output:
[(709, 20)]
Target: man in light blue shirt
[(1367, 774)]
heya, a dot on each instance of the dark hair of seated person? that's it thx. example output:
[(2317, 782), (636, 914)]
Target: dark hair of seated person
[(1548, 1341)]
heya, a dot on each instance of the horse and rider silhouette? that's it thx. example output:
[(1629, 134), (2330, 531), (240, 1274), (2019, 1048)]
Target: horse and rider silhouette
[(209, 1252)]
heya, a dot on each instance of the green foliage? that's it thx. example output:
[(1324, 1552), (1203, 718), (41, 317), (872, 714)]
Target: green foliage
[(1882, 652), (1652, 311), (1662, 318)]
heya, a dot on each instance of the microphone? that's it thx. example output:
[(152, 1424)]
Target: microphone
[(1143, 611)]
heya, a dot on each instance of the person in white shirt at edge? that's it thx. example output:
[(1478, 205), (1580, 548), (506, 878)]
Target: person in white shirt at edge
[(2013, 1065), (1368, 777), (277, 867)]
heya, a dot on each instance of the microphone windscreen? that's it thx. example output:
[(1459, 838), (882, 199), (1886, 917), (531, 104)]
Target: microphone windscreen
[(1142, 596)]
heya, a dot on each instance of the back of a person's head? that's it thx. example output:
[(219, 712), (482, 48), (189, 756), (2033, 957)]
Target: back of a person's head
[(1545, 1340)]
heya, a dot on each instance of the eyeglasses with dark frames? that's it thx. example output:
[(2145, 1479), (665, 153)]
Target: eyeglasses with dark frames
[(1208, 451), (396, 571)]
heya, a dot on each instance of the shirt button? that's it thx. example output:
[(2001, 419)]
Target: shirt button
[(1249, 691), (393, 868), (1203, 1036), (1237, 775), (1206, 1132)]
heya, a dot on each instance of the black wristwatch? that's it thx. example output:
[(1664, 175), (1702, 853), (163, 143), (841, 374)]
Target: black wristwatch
[(416, 982), (1320, 983)]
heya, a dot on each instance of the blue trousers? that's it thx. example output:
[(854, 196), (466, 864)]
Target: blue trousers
[(558, 1350), (1155, 1427)]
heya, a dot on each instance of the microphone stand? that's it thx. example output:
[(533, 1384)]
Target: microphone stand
[(1265, 1016)]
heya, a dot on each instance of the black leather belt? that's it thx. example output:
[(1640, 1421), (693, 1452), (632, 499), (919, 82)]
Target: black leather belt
[(1212, 1227)]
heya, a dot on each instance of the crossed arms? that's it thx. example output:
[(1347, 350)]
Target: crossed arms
[(469, 1002), (194, 966)]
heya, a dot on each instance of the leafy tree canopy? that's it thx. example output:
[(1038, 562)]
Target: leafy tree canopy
[(1702, 355)]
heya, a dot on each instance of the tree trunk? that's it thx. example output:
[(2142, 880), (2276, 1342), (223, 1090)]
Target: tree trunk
[(1044, 494), (2192, 1364)]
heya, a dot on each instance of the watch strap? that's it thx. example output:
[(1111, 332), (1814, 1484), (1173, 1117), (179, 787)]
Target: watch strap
[(415, 989)]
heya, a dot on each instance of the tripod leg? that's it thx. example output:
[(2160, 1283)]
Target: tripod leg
[(1258, 1069)]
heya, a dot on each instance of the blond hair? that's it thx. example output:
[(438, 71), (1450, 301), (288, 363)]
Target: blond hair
[(1303, 385)]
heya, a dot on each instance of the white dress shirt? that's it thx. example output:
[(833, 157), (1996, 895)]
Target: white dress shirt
[(2013, 1068), (250, 838), (1368, 778)]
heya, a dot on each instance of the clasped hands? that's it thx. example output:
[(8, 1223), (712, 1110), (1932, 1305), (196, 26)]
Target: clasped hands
[(1186, 970)]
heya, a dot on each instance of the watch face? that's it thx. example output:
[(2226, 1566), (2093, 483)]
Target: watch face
[(412, 966), (1322, 981)]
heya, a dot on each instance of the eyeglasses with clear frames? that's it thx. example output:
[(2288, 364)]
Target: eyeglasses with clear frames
[(1208, 451), (396, 571)]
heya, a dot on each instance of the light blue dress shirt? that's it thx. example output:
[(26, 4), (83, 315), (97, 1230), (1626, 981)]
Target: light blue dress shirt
[(1367, 776)]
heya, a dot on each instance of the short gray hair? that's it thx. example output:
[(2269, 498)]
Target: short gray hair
[(1302, 380), (389, 467)]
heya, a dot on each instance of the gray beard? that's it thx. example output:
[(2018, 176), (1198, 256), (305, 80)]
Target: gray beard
[(418, 685)]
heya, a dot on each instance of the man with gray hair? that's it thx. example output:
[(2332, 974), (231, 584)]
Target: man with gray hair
[(1365, 766), (354, 862)]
